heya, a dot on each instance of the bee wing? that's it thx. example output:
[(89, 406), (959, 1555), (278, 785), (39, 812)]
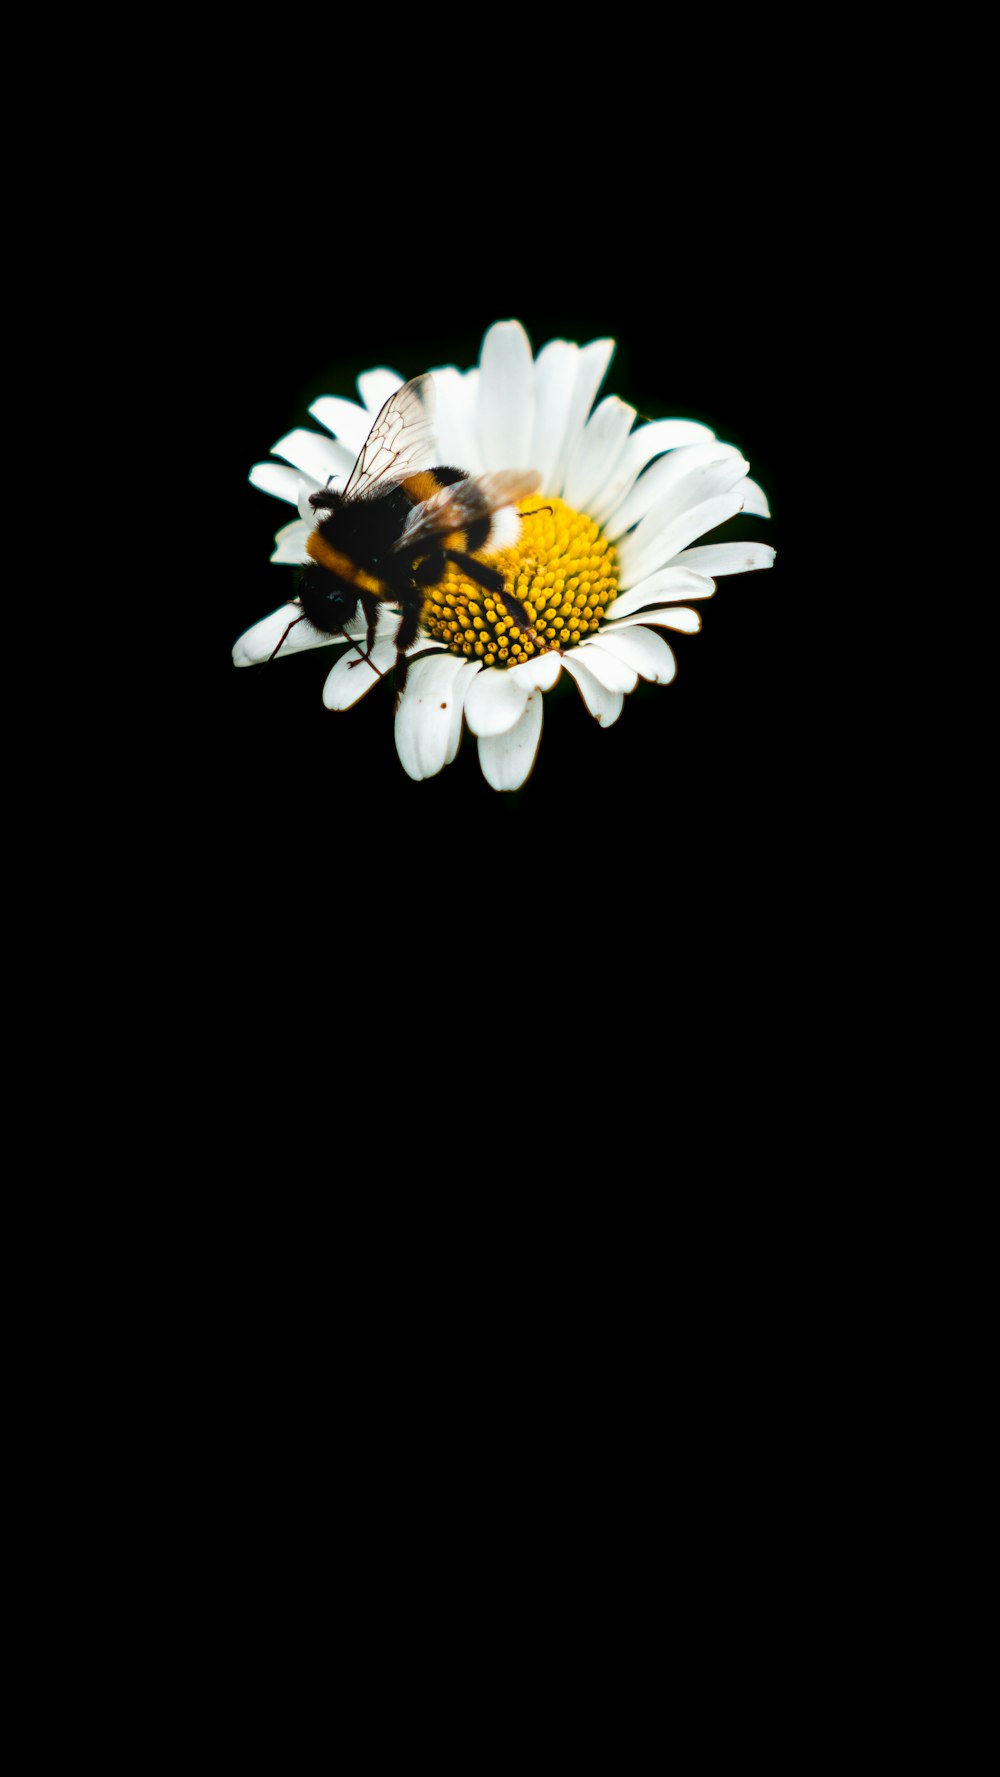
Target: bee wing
[(402, 438), (456, 507)]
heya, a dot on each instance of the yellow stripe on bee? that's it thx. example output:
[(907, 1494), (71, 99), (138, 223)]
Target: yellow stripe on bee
[(343, 566), (422, 486)]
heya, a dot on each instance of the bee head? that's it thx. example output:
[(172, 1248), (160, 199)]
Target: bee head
[(327, 601)]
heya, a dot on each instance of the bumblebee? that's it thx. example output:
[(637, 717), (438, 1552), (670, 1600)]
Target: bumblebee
[(389, 533)]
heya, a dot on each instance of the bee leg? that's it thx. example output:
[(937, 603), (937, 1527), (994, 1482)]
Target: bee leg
[(409, 624), (476, 570), (493, 582), (281, 644), (515, 609), (369, 605), (430, 570)]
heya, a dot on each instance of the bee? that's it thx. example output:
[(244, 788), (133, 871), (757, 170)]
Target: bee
[(387, 536)]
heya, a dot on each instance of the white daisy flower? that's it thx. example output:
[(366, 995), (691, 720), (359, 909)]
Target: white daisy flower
[(606, 557)]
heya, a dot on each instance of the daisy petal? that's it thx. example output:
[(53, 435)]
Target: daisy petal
[(662, 478), (345, 419), (724, 558), (258, 643), (353, 676), (455, 419), (506, 396), (641, 651), (425, 717), (605, 706), (507, 759), (495, 701), (591, 369), (375, 387), (315, 455), (656, 545), (424, 645), (539, 674), (670, 617), (659, 589), (613, 673), (555, 380), (601, 445), (291, 543), (469, 670), (274, 478), (755, 499), (643, 446)]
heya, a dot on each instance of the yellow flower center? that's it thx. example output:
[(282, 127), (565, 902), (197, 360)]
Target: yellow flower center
[(561, 568)]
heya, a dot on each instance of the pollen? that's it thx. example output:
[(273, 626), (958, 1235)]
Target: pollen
[(562, 569)]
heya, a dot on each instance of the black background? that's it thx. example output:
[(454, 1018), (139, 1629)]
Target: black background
[(625, 950), (611, 976)]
